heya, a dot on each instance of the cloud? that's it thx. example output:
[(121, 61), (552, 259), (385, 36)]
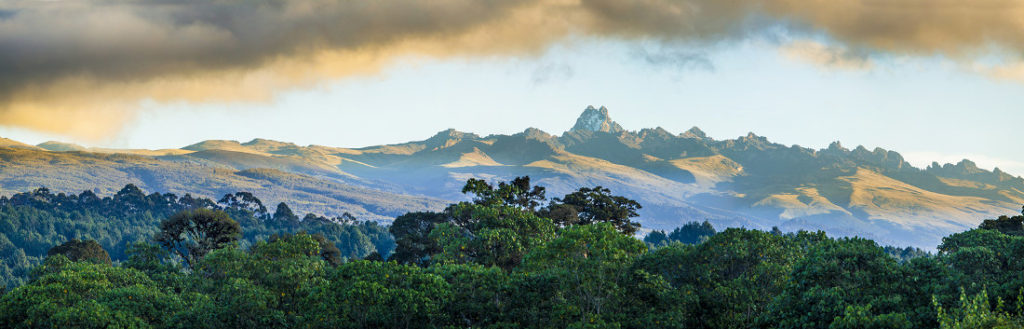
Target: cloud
[(675, 57), (825, 55), (1006, 71), (552, 71), (82, 67)]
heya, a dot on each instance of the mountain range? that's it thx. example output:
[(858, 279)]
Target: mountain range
[(678, 177)]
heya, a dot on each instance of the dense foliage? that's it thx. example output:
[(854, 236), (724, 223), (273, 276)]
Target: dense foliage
[(498, 262), (31, 223)]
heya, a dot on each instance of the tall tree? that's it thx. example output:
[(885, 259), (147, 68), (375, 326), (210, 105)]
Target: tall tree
[(284, 214), (193, 233), (490, 235), (412, 237), (328, 251), (78, 250), (692, 232), (839, 284), (1005, 224), (594, 205), (588, 264), (518, 193), (656, 239), (244, 201)]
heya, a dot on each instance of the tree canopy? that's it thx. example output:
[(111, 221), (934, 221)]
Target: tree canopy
[(503, 265), (193, 233), (590, 205), (78, 250)]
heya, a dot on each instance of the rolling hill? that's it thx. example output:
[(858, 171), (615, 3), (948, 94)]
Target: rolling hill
[(73, 172), (748, 181)]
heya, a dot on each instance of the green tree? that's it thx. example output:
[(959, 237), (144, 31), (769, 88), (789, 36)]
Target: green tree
[(412, 237), (284, 215), (656, 239), (692, 232), (861, 317), (490, 235), (479, 295), (985, 258), (518, 193), (157, 263), (588, 263), (364, 294), (68, 294), (733, 275), (1006, 224), (836, 275), (78, 250), (268, 286), (974, 313), (193, 233), (328, 251), (926, 280), (594, 205)]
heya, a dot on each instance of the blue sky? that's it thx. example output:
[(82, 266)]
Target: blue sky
[(929, 109)]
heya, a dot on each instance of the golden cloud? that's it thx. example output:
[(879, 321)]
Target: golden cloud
[(825, 55), (83, 67)]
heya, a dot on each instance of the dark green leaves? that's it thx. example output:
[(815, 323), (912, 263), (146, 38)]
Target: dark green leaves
[(595, 205), (193, 233)]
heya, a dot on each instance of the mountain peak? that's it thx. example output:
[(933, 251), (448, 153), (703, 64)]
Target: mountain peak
[(536, 134), (837, 146), (448, 137), (695, 133), (214, 144), (752, 137), (452, 133), (968, 167), (267, 143), (4, 142), (60, 146), (596, 120)]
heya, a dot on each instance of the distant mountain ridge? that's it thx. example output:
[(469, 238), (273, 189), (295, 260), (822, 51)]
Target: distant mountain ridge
[(748, 181)]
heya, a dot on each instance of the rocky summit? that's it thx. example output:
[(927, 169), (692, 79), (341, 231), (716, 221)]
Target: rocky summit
[(596, 120)]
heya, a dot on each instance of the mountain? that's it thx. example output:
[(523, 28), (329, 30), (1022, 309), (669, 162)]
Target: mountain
[(73, 172), (70, 147), (678, 177), (9, 143)]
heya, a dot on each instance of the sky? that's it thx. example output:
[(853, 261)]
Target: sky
[(934, 80)]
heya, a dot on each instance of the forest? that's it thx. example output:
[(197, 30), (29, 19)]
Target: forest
[(33, 222), (508, 258)]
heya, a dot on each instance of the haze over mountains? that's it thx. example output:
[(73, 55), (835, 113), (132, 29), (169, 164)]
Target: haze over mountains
[(678, 177)]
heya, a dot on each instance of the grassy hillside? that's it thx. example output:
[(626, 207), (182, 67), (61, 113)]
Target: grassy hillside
[(72, 172)]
